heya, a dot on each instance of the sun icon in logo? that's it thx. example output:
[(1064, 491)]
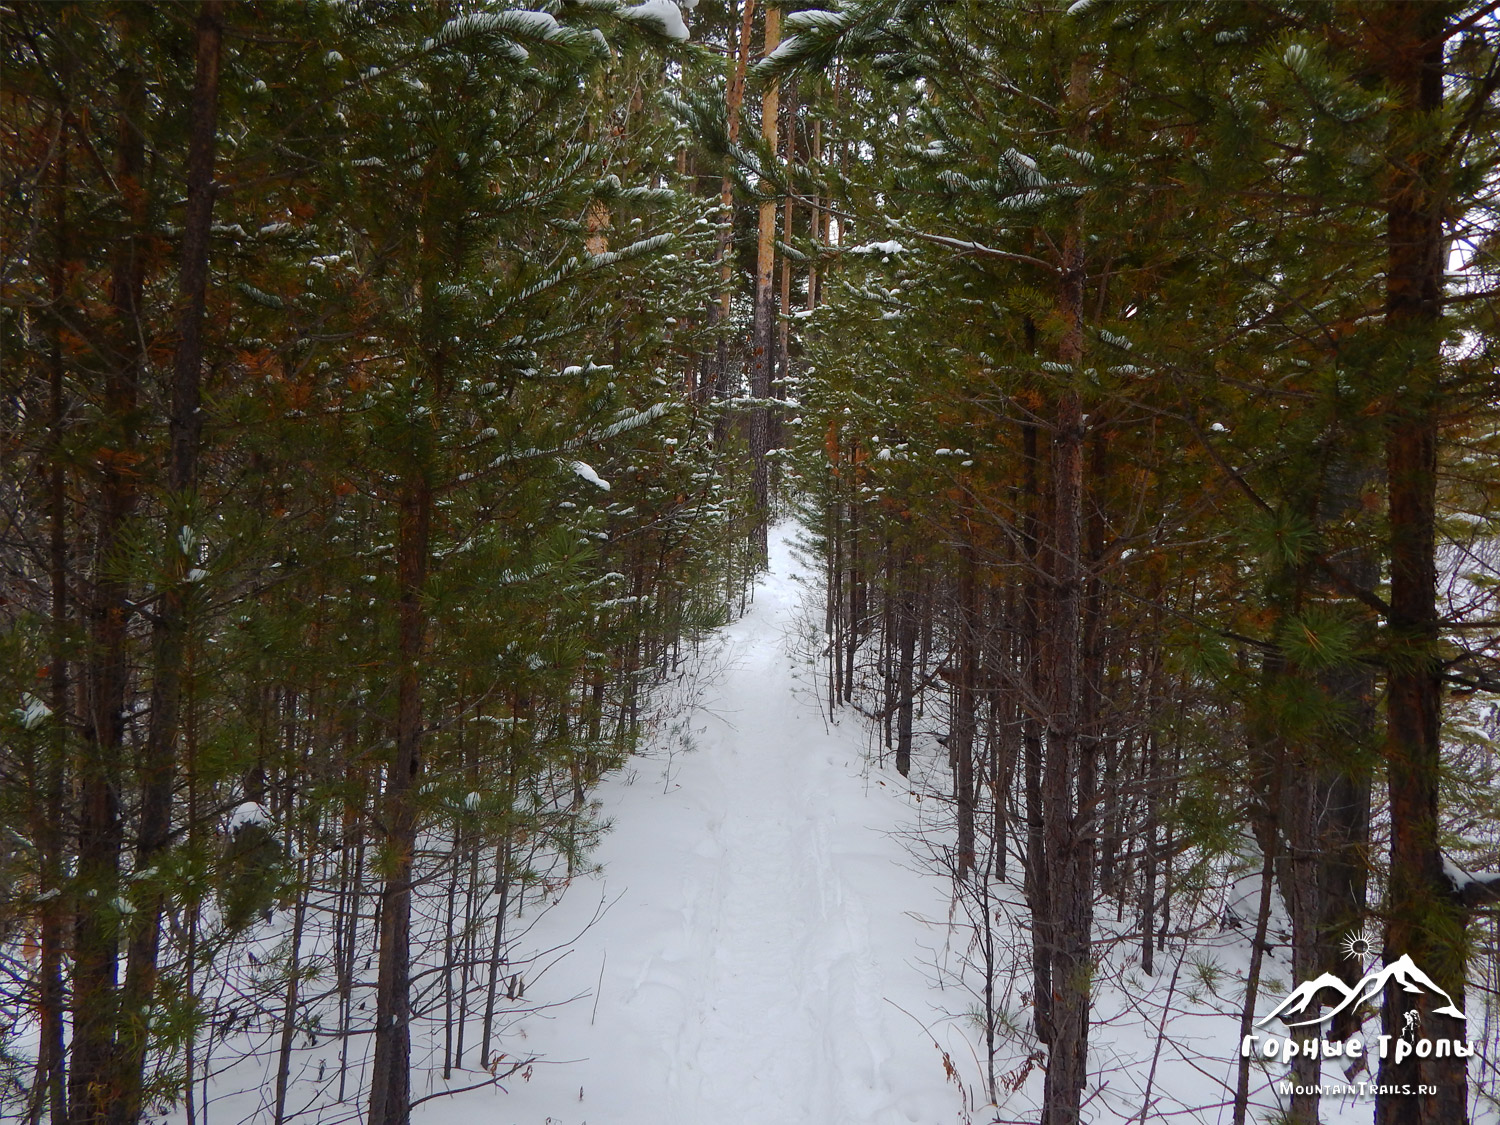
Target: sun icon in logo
[(1358, 944)]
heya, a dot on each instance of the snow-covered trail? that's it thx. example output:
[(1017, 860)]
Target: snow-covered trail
[(757, 953)]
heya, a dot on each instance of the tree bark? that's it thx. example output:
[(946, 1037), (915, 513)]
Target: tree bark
[(1425, 919), (763, 331), (51, 1057), (961, 734), (734, 99), (93, 1077), (169, 631), (1038, 876), (906, 645), (1252, 987), (390, 1083), (1065, 797)]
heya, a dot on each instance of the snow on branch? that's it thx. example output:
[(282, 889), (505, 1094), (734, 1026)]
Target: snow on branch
[(1474, 888), (514, 28), (634, 250), (976, 248), (586, 471), (632, 421), (663, 16)]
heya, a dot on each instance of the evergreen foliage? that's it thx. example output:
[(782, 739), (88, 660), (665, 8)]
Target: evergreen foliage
[(393, 392)]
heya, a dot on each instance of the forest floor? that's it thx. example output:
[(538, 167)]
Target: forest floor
[(767, 952)]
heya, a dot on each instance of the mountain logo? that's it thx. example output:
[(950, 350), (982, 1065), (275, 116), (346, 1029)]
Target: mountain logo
[(1404, 972)]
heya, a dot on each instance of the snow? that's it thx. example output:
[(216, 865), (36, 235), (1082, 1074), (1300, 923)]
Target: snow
[(757, 960), (586, 471), (815, 18), (664, 15), (247, 813), (890, 246), (1462, 879), (508, 25), (786, 49), (32, 711)]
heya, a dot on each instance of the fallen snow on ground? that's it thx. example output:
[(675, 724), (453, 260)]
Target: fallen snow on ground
[(758, 961)]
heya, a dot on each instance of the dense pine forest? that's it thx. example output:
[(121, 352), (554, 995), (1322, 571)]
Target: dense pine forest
[(401, 397)]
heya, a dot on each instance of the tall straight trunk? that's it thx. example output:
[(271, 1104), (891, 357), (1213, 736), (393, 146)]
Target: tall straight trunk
[(763, 330), (169, 630), (1093, 738), (1150, 779), (856, 589), (1344, 800), (961, 735), (1038, 875), (1252, 986), (497, 945), (1425, 919), (781, 368), (290, 997), (1065, 794), (449, 968), (93, 1076), (724, 254), (819, 217), (833, 618), (906, 645), (1004, 727), (390, 1083), (783, 325), (1300, 890), (466, 951), (51, 1059), (1072, 899), (1344, 767), (346, 969)]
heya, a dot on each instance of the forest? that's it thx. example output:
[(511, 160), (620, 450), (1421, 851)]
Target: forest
[(402, 399)]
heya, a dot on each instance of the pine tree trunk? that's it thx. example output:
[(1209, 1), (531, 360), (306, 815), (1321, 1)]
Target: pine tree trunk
[(1300, 892), (1065, 796), (94, 1076), (859, 585), (1252, 986), (51, 1059), (734, 100), (390, 1083), (906, 644), (290, 999), (961, 733), (1038, 874), (1150, 774), (763, 331), (1344, 770), (1425, 919), (158, 769), (497, 946)]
